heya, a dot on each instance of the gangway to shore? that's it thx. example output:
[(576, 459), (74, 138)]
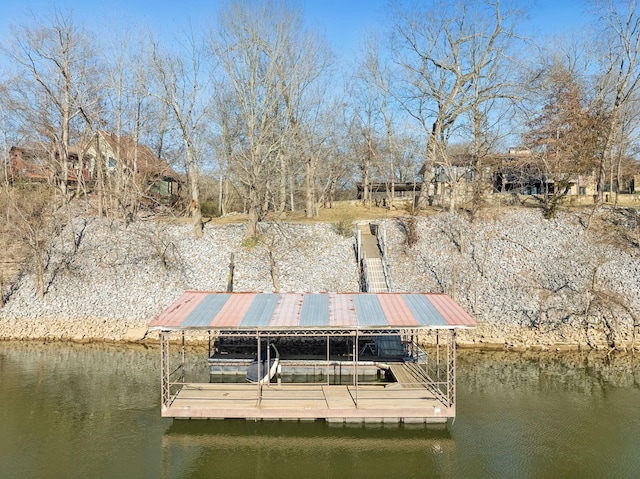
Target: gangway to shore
[(375, 276), (407, 375)]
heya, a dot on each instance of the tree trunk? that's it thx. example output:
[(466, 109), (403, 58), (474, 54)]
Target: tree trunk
[(195, 210), (252, 226), (308, 184)]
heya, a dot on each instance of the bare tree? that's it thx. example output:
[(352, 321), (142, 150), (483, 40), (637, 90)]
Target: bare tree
[(128, 111), (225, 115), (619, 75), (374, 85), (302, 59), (275, 69), (243, 45), (55, 82), (30, 220), (183, 90), (365, 127), (443, 49)]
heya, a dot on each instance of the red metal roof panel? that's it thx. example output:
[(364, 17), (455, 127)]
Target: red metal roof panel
[(179, 310), (287, 311), (396, 310), (233, 310), (342, 310), (450, 310)]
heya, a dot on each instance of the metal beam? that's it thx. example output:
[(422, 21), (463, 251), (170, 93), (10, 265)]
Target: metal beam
[(165, 390)]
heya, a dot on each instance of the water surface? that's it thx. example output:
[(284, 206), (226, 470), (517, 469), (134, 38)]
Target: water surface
[(94, 411)]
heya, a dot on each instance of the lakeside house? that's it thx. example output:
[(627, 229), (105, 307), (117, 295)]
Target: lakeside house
[(103, 158), (517, 172), (112, 154), (36, 163), (379, 191)]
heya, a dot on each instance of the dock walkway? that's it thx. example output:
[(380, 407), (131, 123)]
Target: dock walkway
[(376, 280), (408, 375), (370, 403)]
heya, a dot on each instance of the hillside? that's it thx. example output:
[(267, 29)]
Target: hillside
[(530, 282)]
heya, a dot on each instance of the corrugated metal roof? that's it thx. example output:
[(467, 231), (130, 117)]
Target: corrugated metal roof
[(207, 310), (260, 310), (424, 310), (315, 310)]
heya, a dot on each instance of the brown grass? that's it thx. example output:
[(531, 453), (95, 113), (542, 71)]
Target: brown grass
[(339, 211)]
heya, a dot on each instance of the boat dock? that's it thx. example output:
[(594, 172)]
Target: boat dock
[(336, 404), (379, 331)]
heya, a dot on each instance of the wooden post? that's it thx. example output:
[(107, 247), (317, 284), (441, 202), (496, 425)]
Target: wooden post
[(230, 277), (275, 273)]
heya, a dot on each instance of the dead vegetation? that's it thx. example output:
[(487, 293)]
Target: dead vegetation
[(27, 226)]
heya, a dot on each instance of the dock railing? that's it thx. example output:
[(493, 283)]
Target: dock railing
[(435, 372), (439, 368), (171, 380), (428, 366), (382, 245), (364, 275)]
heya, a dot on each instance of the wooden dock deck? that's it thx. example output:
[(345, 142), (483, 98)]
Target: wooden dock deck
[(371, 403), (408, 375)]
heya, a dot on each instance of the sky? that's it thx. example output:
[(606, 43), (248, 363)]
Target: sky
[(343, 21)]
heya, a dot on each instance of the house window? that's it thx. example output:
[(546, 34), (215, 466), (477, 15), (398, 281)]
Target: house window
[(470, 176), (437, 176), (582, 190), (111, 163)]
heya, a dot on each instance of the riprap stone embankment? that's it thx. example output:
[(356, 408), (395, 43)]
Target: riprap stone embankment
[(119, 278), (531, 283)]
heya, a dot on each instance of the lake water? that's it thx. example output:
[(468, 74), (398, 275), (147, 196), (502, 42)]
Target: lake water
[(70, 411)]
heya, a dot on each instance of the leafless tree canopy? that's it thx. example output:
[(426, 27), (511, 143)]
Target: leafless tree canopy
[(255, 113)]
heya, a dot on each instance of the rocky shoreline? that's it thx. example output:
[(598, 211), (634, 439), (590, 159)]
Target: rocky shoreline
[(532, 284)]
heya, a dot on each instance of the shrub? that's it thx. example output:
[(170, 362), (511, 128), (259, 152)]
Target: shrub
[(409, 226), (209, 208), (344, 226), (251, 242)]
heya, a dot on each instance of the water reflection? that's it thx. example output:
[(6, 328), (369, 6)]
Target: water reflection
[(311, 449), (94, 411), (575, 372), (548, 415)]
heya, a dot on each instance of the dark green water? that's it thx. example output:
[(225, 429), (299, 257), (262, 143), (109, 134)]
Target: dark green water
[(92, 412)]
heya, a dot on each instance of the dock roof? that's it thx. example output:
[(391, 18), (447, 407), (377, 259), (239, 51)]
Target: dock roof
[(312, 311)]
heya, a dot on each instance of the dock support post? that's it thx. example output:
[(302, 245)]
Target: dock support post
[(438, 356), (182, 360), (165, 388), (451, 367), (328, 361), (259, 370), (355, 365)]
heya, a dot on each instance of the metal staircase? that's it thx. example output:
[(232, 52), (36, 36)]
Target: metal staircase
[(375, 277)]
